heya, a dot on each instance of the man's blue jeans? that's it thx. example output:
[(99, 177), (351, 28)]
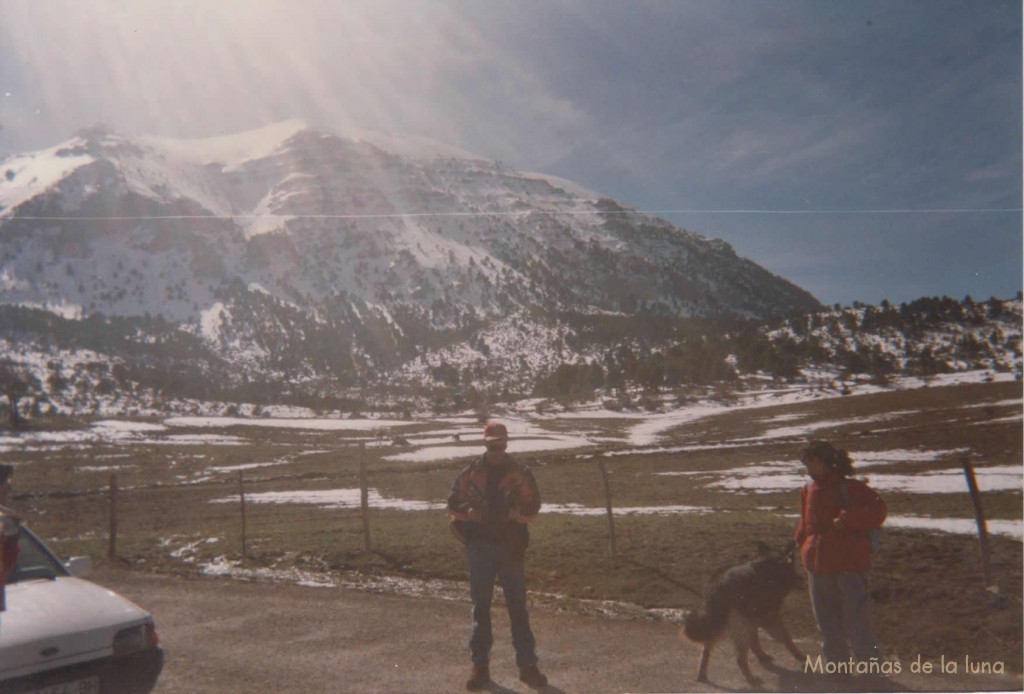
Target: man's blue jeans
[(488, 560), (842, 608)]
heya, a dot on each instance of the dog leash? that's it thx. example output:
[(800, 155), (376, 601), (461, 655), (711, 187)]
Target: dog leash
[(664, 576)]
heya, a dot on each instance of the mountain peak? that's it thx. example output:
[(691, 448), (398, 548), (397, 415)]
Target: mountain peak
[(233, 150), (230, 150), (95, 133)]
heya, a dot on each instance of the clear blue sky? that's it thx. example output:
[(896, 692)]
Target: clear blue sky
[(865, 150)]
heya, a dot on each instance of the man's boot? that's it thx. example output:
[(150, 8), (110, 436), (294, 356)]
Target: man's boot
[(532, 676), (479, 677)]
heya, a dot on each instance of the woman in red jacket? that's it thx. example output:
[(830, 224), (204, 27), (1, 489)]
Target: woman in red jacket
[(837, 514)]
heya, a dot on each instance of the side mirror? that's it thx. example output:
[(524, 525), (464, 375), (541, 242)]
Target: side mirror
[(79, 566)]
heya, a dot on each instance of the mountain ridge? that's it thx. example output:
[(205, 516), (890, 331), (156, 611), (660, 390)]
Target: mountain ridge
[(389, 247)]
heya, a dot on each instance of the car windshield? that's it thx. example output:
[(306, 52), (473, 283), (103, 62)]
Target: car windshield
[(35, 560)]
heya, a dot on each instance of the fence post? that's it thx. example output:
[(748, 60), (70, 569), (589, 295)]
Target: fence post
[(979, 514), (608, 507), (364, 496), (112, 546), (241, 496)]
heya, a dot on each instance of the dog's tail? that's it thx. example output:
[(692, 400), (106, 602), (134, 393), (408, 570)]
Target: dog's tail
[(708, 624)]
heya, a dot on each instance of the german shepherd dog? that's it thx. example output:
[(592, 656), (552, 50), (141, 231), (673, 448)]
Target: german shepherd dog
[(742, 599)]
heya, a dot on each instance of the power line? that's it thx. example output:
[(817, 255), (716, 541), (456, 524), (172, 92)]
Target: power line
[(968, 210), (409, 215)]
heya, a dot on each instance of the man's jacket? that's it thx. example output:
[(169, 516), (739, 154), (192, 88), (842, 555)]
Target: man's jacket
[(825, 548), (494, 500)]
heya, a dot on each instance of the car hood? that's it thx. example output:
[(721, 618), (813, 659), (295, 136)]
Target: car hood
[(51, 623)]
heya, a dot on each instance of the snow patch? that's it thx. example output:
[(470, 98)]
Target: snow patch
[(335, 498)]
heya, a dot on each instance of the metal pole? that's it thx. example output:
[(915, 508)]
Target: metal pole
[(241, 496), (112, 546), (608, 507), (364, 496), (972, 485)]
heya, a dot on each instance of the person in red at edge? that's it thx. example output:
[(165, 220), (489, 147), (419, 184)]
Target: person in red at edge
[(10, 526), (490, 503), (836, 513)]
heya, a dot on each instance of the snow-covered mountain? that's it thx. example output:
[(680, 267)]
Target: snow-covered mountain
[(299, 251)]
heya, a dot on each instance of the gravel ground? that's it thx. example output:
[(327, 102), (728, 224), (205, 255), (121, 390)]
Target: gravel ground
[(229, 637)]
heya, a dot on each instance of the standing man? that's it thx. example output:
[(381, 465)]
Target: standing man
[(491, 502), (10, 526)]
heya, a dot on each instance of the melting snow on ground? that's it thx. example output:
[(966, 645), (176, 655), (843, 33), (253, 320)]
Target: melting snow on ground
[(578, 510), (652, 426), (957, 526), (520, 445), (335, 498), (111, 431), (459, 437), (245, 466), (276, 423), (779, 476)]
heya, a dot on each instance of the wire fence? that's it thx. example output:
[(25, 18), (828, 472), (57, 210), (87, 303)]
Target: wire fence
[(236, 510)]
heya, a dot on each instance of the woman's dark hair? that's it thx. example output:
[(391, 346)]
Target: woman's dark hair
[(835, 459)]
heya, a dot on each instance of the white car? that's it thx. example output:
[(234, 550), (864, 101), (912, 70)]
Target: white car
[(61, 634)]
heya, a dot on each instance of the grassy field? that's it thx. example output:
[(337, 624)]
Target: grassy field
[(178, 504)]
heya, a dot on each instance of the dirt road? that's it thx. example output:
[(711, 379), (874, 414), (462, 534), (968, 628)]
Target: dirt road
[(228, 637)]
